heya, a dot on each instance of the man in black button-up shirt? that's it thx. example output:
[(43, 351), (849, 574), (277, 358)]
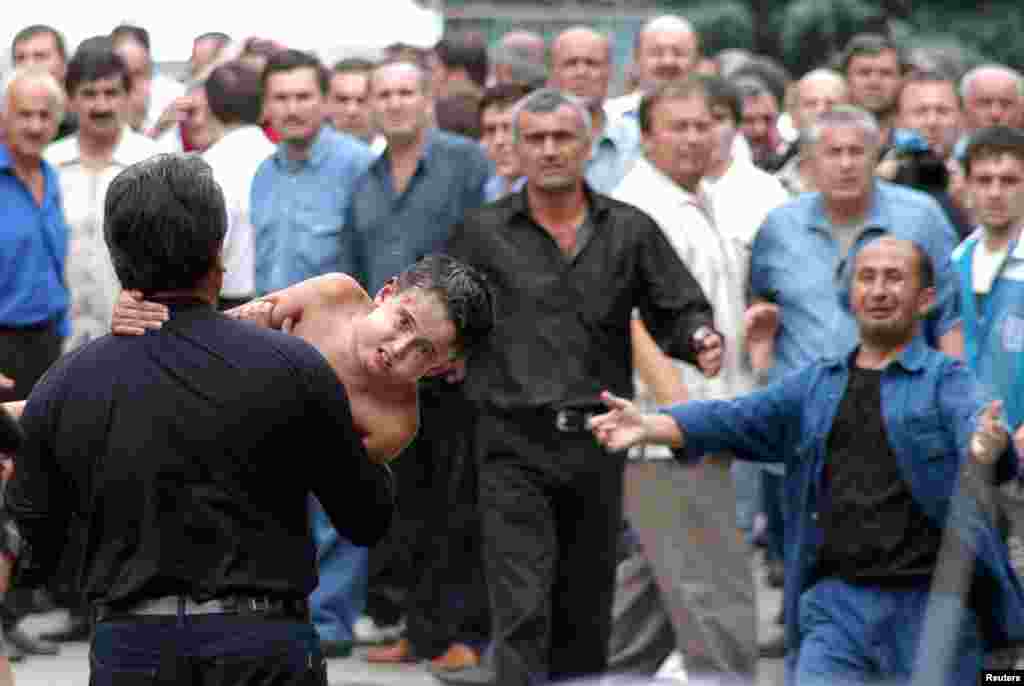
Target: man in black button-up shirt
[(567, 267), (189, 454)]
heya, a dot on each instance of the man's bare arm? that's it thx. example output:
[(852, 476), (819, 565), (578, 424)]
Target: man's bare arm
[(655, 368), (290, 304)]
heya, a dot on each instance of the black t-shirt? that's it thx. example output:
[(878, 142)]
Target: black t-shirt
[(874, 530)]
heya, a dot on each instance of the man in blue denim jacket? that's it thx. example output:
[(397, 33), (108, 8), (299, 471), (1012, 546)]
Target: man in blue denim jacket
[(885, 447)]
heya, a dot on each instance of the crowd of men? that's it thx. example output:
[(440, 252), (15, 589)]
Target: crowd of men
[(724, 232)]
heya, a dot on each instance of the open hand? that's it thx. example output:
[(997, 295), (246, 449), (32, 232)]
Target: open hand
[(991, 438), (133, 315), (257, 311), (621, 428)]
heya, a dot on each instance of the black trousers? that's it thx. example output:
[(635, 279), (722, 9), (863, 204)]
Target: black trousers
[(429, 568), (551, 506)]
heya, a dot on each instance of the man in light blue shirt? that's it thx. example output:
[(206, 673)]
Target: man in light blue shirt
[(299, 200), (301, 194), (581, 61)]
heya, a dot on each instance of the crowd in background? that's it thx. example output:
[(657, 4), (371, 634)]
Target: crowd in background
[(761, 181)]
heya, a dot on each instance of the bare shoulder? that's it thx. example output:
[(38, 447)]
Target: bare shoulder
[(340, 289)]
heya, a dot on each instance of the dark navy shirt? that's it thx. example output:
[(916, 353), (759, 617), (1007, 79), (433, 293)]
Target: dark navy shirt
[(188, 456), (393, 230), (33, 248)]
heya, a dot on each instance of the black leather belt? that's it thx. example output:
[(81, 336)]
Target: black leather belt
[(172, 606)]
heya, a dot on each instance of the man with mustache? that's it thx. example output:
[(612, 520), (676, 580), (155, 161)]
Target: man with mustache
[(98, 84)]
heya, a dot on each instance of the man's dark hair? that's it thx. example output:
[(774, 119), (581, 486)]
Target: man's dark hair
[(164, 222), (30, 32), (459, 52), (290, 60), (766, 71), (133, 33), (461, 289), (93, 60), (926, 268), (354, 65), (720, 92), (993, 141), (219, 36), (693, 86), (234, 93), (459, 114), (871, 44)]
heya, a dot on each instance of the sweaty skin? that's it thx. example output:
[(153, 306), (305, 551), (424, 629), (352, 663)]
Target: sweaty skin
[(322, 311)]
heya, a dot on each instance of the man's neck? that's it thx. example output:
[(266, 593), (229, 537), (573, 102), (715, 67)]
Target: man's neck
[(997, 240), (846, 212), (299, 150), (876, 355), (25, 167), (201, 294), (557, 207), (597, 119), (99, 147), (403, 152), (719, 168)]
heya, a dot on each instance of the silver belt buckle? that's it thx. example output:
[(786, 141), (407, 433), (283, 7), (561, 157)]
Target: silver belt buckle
[(562, 421)]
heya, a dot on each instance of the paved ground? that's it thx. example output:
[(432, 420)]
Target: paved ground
[(70, 668)]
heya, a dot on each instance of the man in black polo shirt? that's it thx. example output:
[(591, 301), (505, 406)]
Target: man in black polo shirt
[(177, 450), (567, 267)]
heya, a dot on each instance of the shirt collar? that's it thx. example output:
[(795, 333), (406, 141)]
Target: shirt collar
[(5, 159), (912, 358), (877, 217), (382, 164), (598, 205)]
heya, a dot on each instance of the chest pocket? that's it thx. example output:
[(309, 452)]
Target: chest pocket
[(931, 440)]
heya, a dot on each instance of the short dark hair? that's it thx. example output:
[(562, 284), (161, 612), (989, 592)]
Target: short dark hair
[(915, 76), (164, 222), (469, 55), (993, 141), (768, 72), (721, 92), (462, 290), (693, 86), (503, 95), (871, 44), (130, 32), (93, 60), (34, 30), (234, 93), (926, 268), (290, 60), (354, 65)]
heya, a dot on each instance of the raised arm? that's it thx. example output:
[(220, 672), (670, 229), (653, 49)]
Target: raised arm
[(292, 304)]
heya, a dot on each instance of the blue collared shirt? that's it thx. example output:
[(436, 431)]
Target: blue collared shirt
[(795, 263), (391, 230), (33, 249), (930, 404), (612, 154), (298, 210)]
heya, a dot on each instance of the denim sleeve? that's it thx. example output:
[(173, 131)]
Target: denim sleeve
[(760, 285), (762, 426), (941, 242)]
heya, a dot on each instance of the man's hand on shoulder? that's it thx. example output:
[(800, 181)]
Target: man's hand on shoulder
[(133, 316), (259, 312)]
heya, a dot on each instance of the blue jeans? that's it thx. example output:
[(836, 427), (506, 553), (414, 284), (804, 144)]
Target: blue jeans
[(227, 650), (340, 595), (855, 635)]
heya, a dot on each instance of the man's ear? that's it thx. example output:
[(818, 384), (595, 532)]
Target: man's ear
[(389, 288), (925, 302)]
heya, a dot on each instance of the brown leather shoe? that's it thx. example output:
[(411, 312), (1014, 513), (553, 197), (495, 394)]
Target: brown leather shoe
[(458, 656), (392, 653)]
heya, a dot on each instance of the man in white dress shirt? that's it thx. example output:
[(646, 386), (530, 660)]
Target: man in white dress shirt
[(97, 84), (234, 96), (710, 599)]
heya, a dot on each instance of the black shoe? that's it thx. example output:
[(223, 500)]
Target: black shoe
[(471, 676), (774, 649), (335, 649), (78, 629), (30, 646)]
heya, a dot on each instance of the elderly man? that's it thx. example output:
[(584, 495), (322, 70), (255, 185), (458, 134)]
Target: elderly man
[(714, 625), (44, 46), (569, 266), (581, 64), (666, 48), (993, 95), (818, 91), (891, 452), (299, 200), (97, 85)]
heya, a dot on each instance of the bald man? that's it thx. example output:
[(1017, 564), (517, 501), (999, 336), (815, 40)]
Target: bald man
[(581, 64), (818, 91), (667, 48), (993, 95)]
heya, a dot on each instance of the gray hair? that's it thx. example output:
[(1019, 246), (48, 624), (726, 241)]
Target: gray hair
[(35, 75), (666, 22), (845, 115), (971, 78), (545, 101)]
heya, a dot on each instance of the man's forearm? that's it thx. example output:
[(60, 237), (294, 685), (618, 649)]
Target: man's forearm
[(662, 429), (655, 368)]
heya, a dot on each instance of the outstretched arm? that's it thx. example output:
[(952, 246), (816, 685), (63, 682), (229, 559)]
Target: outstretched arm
[(286, 308)]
